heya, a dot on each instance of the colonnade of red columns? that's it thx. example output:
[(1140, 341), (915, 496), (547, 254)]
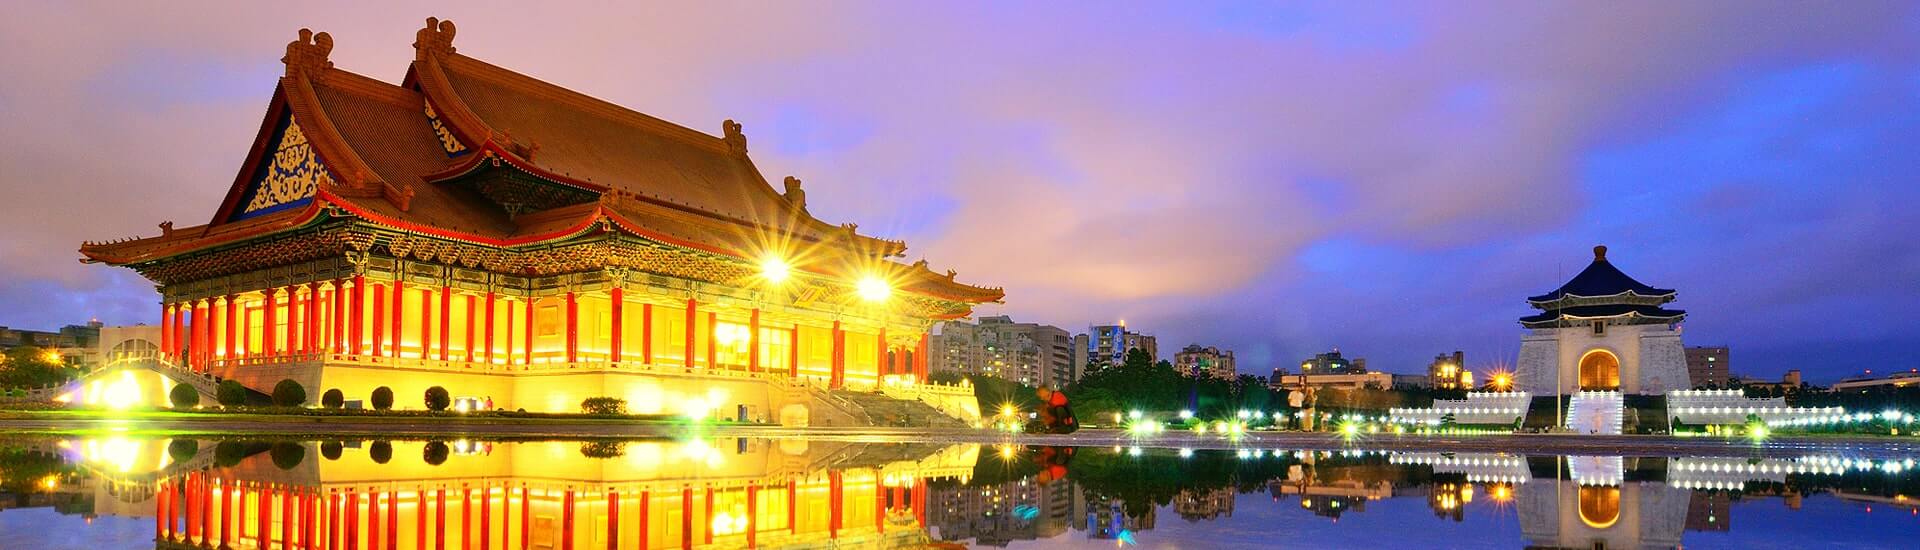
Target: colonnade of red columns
[(331, 317)]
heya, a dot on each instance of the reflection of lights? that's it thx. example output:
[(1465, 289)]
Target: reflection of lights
[(1500, 493), (1133, 451), (727, 523), (1186, 453), (1007, 452), (1134, 414), (1186, 414), (873, 289)]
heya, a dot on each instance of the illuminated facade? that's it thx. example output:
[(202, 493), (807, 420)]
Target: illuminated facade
[(523, 244), (1602, 331), (1196, 361)]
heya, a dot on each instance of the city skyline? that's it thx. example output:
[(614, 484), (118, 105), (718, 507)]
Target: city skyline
[(1392, 184)]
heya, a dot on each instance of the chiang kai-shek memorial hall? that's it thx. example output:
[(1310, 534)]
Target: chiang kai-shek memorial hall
[(526, 246)]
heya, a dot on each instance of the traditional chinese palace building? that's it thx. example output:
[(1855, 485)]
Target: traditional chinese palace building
[(1602, 331), (528, 246)]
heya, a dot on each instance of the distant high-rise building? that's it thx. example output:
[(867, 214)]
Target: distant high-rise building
[(1333, 363), (1449, 372), (1028, 353), (1109, 344), (1707, 366), (1196, 362)]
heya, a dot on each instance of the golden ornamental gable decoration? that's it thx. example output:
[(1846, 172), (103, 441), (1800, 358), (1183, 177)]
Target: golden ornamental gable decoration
[(451, 144), (292, 175)]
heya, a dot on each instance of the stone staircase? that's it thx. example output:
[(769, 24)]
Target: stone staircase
[(1595, 412), (881, 410)]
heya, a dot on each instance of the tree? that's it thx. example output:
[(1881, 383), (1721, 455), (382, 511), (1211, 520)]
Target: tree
[(331, 450), (383, 398), (435, 452), (438, 399), (287, 455), (184, 396), (333, 399), (381, 451), (604, 405), (230, 393), (33, 367), (289, 393)]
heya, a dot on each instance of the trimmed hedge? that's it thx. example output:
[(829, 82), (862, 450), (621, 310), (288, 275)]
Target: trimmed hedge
[(438, 399), (333, 399), (231, 393), (604, 406), (382, 398), (289, 393), (184, 396)]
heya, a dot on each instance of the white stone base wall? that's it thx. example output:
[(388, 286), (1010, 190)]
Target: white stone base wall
[(1652, 359)]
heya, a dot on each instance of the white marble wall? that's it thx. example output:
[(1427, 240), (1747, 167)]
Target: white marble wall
[(1652, 359)]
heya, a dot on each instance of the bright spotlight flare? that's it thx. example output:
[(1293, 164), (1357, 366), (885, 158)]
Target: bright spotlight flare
[(774, 269), (873, 289)]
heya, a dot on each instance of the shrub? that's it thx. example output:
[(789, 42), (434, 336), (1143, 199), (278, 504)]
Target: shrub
[(231, 393), (287, 456), (289, 393), (227, 454), (437, 399), (183, 450), (184, 396), (330, 450), (604, 405), (603, 449), (333, 399), (382, 398), (436, 453), (380, 452)]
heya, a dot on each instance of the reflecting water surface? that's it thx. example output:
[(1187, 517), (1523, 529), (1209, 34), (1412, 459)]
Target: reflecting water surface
[(127, 492)]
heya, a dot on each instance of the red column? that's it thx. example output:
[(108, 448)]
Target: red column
[(920, 359), (440, 519), (314, 323), (793, 353), (573, 328), (338, 314), (233, 307), (194, 324), (753, 341), (834, 494), (706, 521), (686, 517), (646, 333), (692, 309), (713, 324), (426, 323), (420, 520), (446, 319), (838, 378), (166, 330), (398, 315), (880, 358), (489, 337), (486, 518), (373, 519), (226, 512), (753, 516), (471, 321), (566, 521), (293, 320), (379, 320), (357, 315), (265, 514), (466, 517), (287, 519), (613, 342), (793, 506), (526, 357), (920, 501), (646, 499), (879, 505), (351, 517), (613, 520), (393, 520), (526, 516)]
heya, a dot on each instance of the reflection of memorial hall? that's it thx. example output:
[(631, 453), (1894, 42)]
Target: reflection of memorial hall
[(726, 493)]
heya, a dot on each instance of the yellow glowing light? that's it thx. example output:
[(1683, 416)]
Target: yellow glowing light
[(1008, 410), (774, 269), (873, 289), (50, 483), (1502, 381), (52, 356)]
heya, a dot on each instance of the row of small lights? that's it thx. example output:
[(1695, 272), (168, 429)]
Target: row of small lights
[(1760, 410), (1890, 416)]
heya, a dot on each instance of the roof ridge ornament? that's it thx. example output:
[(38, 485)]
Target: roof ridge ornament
[(309, 52), (1600, 253), (436, 38), (794, 194), (736, 140)]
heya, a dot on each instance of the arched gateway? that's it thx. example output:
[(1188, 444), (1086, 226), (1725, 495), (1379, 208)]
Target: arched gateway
[(1599, 370)]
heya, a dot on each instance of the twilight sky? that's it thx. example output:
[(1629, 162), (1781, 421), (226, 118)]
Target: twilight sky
[(1391, 179)]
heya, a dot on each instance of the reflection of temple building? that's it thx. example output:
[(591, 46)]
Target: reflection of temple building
[(1449, 500), (996, 515), (1333, 493), (1204, 504), (1569, 514), (723, 493)]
